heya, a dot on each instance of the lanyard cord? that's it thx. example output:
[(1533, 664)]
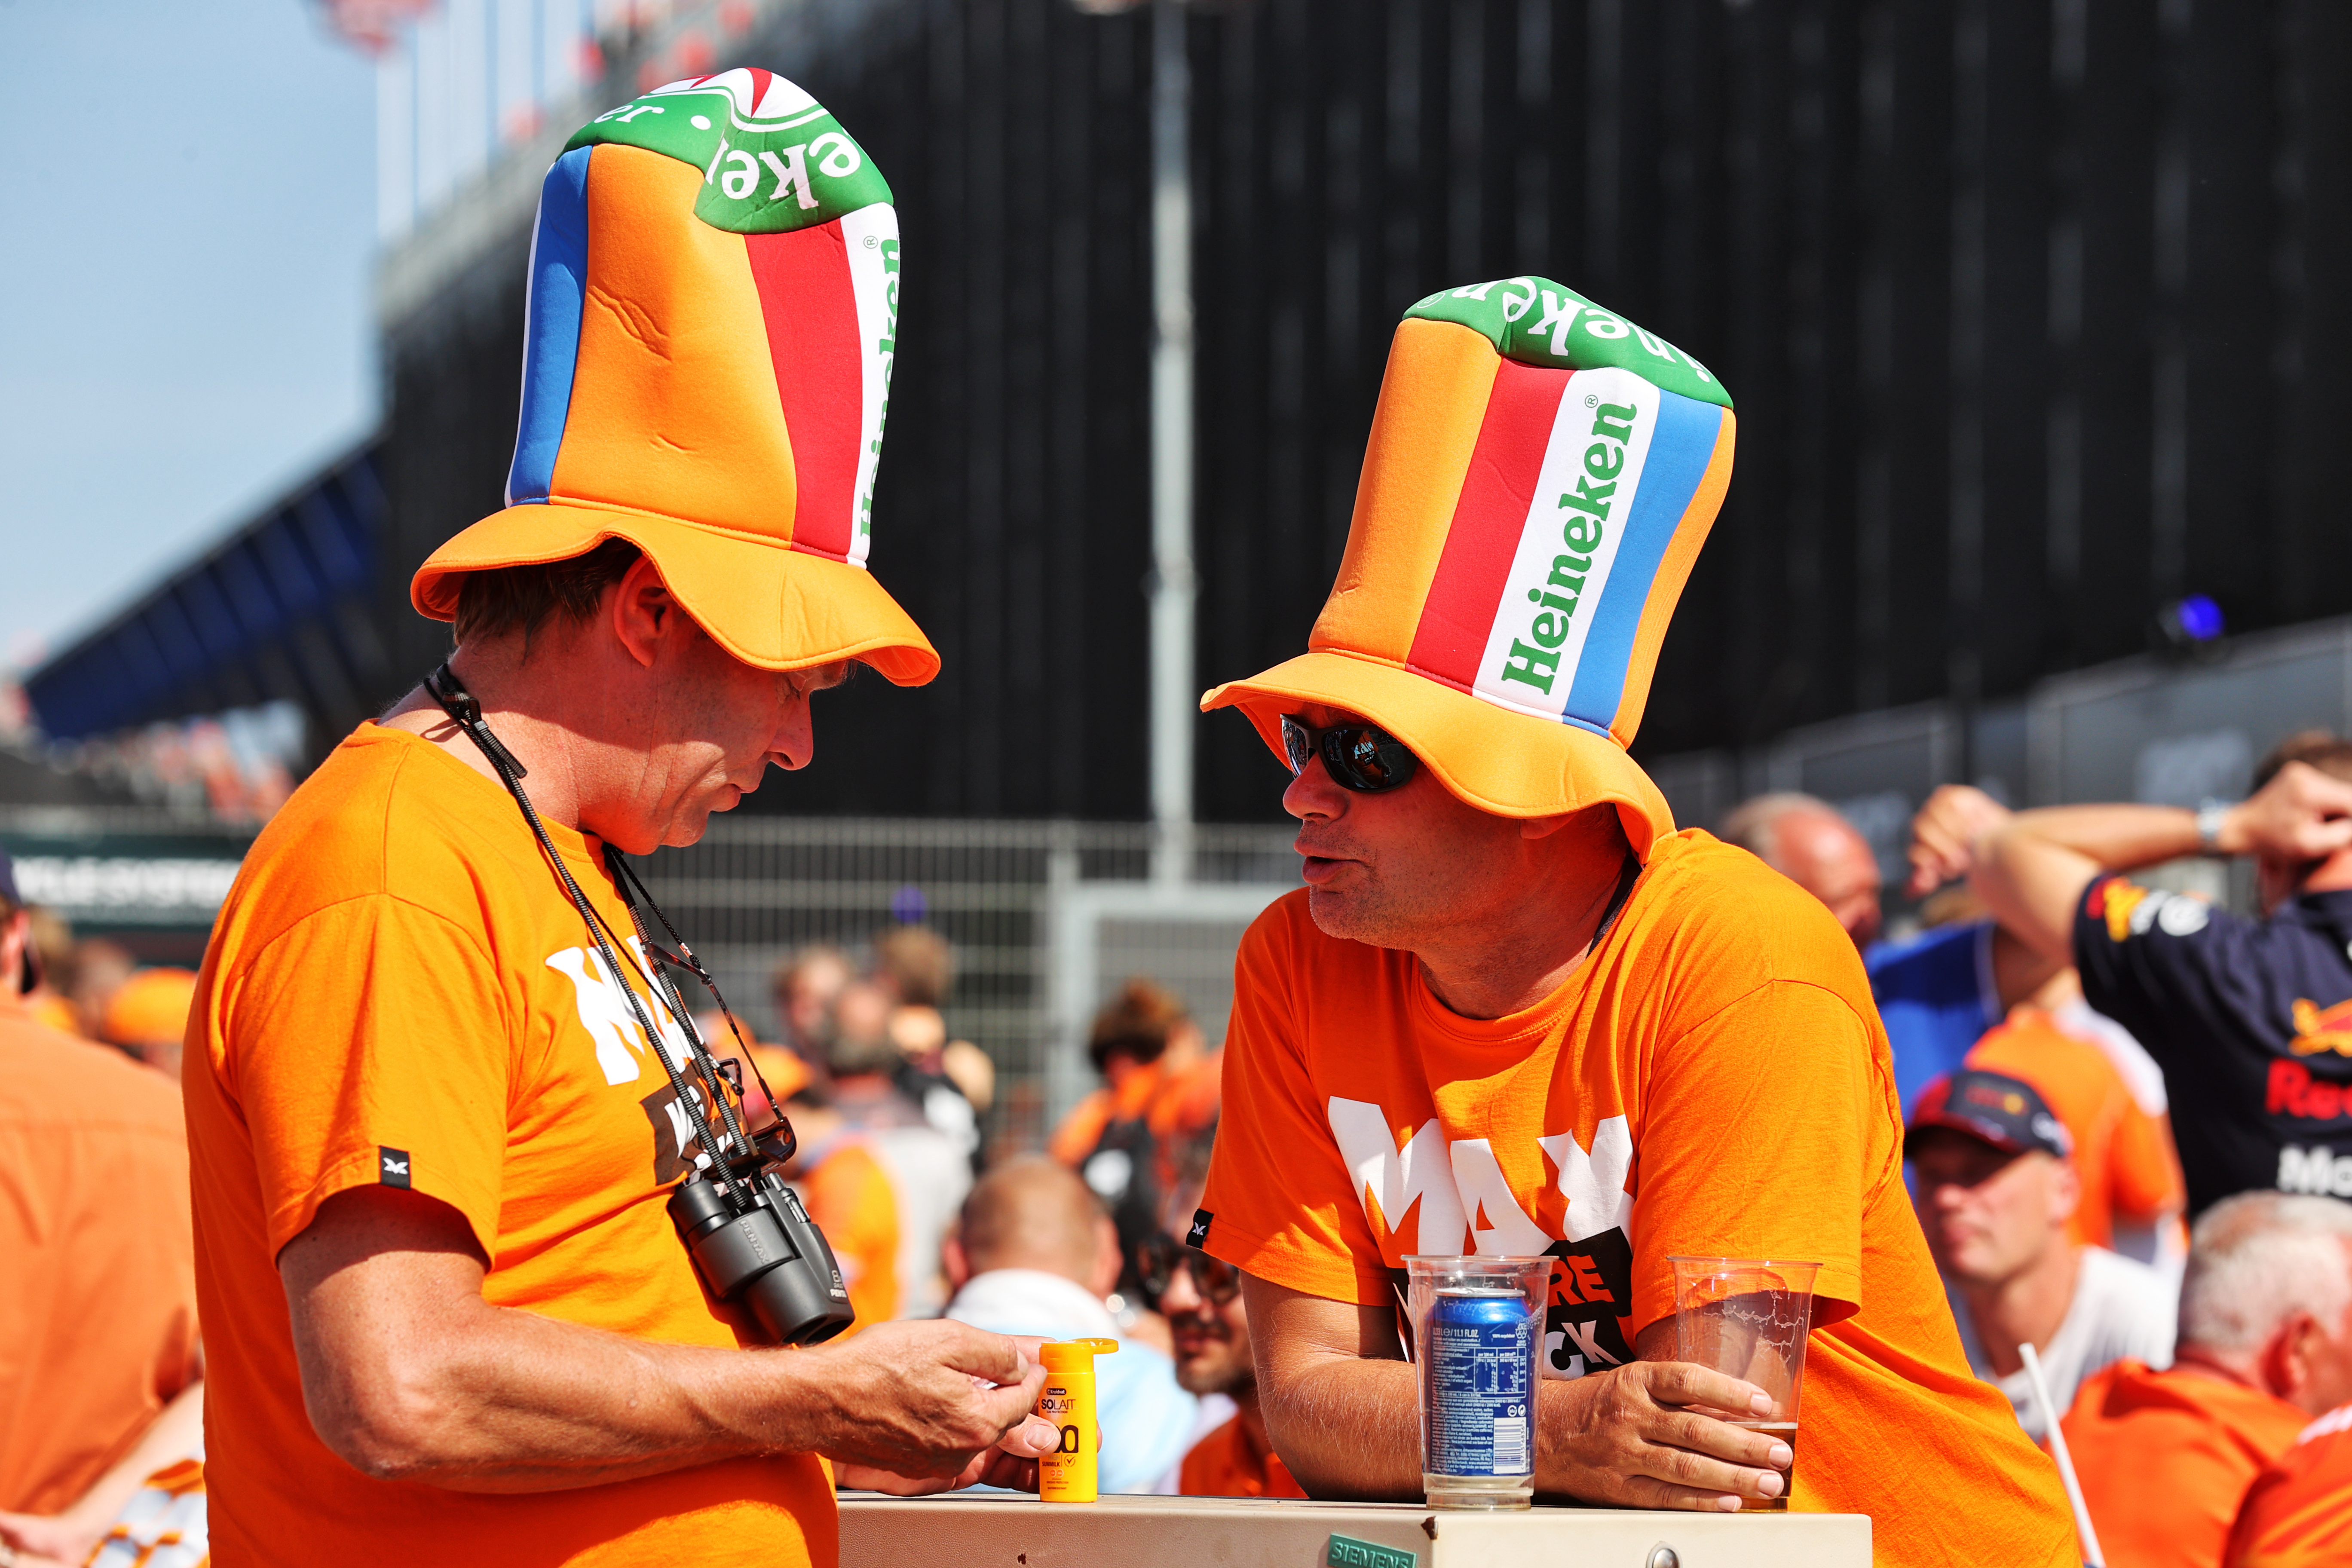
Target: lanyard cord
[(465, 712)]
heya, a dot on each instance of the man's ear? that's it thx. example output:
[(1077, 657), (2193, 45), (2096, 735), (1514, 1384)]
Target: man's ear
[(954, 1263), (2065, 1192), (640, 610), (2285, 1364)]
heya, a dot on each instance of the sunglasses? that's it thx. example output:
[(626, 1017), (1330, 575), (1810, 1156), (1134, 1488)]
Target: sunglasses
[(1360, 757), (1159, 1259)]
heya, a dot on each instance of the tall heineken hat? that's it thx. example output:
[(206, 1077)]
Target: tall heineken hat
[(1540, 475), (713, 313)]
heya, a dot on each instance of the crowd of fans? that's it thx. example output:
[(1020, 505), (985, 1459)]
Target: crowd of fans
[(2202, 1376)]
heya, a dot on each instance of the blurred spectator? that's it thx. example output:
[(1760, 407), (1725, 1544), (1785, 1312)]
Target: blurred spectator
[(2243, 1015), (100, 968), (97, 1309), (849, 1194), (1938, 992), (930, 1171), (1120, 1138), (2123, 1159), (1996, 1188), (1201, 1296), (861, 1062), (147, 1017), (916, 966), (147, 1510), (807, 982), (50, 1000), (2298, 1512), (1035, 1254), (2165, 1458)]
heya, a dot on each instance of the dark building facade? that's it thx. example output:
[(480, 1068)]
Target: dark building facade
[(2028, 308)]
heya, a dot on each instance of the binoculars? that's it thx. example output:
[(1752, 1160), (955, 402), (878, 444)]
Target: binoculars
[(768, 1257)]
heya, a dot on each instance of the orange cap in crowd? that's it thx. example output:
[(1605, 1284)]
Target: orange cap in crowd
[(151, 1009)]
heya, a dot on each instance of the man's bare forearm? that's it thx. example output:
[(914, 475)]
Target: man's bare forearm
[(2031, 870), (408, 1374), (1349, 1428)]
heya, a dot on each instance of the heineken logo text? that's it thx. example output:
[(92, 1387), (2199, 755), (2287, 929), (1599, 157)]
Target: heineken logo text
[(1534, 658)]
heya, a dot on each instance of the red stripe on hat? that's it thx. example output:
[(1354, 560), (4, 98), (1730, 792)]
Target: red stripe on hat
[(1484, 536), (811, 312)]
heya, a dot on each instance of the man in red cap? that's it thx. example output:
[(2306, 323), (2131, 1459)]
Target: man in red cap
[(1515, 1012), (1997, 1186), (438, 1102)]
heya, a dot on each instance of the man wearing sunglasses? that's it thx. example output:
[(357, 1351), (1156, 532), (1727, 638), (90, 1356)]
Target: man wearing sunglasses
[(1201, 1296), (1515, 1012)]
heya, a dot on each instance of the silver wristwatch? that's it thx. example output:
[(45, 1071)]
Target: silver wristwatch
[(2209, 825)]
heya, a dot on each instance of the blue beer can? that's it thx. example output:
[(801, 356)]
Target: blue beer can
[(1477, 1392)]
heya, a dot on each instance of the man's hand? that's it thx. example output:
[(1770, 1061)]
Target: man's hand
[(1943, 835), (2301, 816), (1624, 1436), (928, 1407), (47, 1540)]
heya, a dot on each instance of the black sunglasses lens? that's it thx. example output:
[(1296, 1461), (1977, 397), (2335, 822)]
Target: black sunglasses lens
[(1368, 759), (1297, 744)]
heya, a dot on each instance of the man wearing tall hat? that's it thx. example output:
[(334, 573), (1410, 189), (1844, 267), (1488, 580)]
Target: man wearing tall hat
[(433, 1122), (1513, 1011)]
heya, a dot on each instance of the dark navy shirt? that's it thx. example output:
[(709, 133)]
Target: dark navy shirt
[(2251, 1021), (1937, 997)]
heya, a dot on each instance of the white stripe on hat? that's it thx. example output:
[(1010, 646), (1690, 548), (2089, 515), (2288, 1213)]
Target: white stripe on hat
[(1550, 567), (871, 235)]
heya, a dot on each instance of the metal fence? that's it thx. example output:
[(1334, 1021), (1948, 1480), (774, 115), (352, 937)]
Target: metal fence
[(1047, 919)]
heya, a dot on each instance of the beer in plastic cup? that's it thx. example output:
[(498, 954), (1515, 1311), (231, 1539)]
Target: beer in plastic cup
[(1477, 1330), (1748, 1318)]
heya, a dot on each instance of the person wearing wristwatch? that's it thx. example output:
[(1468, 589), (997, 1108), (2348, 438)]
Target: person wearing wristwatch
[(2251, 1019)]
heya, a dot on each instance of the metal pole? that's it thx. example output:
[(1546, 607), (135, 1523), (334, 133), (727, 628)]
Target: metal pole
[(1175, 696)]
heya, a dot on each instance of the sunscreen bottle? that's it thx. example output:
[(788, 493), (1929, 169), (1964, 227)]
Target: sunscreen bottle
[(1068, 1474)]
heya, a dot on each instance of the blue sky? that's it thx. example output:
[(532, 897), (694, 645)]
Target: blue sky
[(190, 201)]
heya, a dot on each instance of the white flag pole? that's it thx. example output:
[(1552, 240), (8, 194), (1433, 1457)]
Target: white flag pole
[(2092, 1556)]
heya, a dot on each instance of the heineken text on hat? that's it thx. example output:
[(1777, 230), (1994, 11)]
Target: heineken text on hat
[(711, 325), (1540, 475)]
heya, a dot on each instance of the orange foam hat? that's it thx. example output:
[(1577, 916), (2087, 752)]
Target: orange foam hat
[(712, 318), (1540, 475)]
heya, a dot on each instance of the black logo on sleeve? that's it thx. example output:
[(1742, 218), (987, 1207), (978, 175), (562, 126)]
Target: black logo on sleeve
[(1591, 1292), (1199, 1234), (391, 1164)]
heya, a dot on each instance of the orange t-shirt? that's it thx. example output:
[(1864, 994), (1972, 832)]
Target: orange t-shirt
[(2123, 1156), (399, 990), (2298, 1513), (1713, 1080), (1229, 1463), (850, 1198), (98, 1288), (2165, 1457)]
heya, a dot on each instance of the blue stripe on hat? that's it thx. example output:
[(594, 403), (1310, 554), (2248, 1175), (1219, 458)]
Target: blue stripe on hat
[(559, 281), (1680, 450)]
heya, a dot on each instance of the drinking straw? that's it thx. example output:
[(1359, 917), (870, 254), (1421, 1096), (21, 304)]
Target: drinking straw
[(2092, 1556)]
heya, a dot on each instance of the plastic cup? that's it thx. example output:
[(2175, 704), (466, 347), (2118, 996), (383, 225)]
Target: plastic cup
[(1477, 1329), (1748, 1318)]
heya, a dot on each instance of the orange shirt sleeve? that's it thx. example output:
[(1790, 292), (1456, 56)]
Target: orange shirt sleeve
[(1749, 1145), (850, 1199), (370, 1043), (1081, 1130), (1281, 1199), (2145, 1171)]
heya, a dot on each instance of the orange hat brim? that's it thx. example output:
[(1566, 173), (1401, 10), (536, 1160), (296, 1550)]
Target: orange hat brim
[(770, 606), (1510, 764)]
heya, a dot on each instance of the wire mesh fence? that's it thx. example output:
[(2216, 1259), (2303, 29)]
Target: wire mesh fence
[(1045, 919)]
